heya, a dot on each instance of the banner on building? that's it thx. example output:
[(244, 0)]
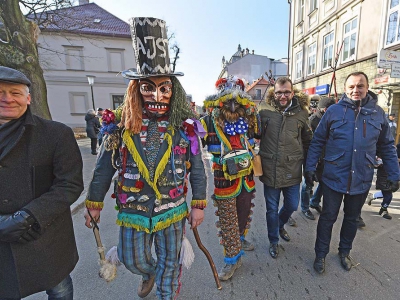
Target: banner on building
[(322, 89), (309, 91), (380, 80)]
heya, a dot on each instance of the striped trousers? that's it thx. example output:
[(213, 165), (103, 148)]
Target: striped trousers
[(134, 251)]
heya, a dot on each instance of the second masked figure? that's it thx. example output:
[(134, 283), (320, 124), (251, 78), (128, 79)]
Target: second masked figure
[(231, 124)]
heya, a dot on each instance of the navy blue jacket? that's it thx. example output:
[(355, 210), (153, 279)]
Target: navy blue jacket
[(352, 141)]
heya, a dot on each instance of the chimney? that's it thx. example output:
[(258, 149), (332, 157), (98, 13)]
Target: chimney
[(81, 2)]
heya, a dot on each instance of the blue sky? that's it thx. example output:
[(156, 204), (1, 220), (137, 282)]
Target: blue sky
[(206, 30)]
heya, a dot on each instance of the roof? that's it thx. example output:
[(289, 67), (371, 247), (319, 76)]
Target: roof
[(84, 19), (260, 81)]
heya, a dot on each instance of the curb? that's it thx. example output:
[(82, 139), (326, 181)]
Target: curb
[(78, 204)]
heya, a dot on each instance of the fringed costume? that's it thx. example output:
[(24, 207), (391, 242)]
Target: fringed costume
[(154, 149), (231, 124)]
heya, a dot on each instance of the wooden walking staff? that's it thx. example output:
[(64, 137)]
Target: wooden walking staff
[(207, 254), (108, 270), (333, 80)]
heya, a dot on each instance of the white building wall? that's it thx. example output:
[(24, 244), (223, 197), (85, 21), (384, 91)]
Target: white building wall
[(69, 94), (251, 67)]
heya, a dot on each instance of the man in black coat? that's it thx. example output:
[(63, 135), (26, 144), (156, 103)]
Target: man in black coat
[(41, 176), (308, 197)]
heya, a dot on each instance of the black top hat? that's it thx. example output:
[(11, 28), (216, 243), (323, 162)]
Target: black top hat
[(150, 44)]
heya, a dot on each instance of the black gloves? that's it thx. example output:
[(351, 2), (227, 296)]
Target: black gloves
[(19, 227), (392, 185), (310, 177)]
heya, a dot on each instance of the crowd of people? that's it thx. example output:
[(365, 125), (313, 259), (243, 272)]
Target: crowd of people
[(154, 141)]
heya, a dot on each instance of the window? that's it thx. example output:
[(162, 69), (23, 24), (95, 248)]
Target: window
[(117, 100), (258, 94), (115, 59), (299, 64), (328, 5), (311, 58), (349, 39), (79, 103), (74, 57), (313, 5), (313, 16), (392, 29), (300, 15), (327, 55)]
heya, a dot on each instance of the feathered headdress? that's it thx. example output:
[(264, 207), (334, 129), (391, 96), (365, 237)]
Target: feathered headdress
[(228, 89)]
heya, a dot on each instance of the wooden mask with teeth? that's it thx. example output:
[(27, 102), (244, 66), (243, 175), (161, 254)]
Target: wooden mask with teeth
[(156, 93)]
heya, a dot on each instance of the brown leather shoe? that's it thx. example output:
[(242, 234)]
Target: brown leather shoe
[(145, 287)]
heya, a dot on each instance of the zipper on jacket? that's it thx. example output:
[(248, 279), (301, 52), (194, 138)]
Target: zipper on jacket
[(277, 147), (266, 126), (364, 128), (349, 181)]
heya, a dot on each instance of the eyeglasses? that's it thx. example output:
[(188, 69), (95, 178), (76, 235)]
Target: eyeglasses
[(280, 94)]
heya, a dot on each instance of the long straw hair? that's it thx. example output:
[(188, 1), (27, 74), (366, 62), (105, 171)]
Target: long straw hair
[(131, 117)]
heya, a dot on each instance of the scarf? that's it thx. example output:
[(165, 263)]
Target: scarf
[(9, 132)]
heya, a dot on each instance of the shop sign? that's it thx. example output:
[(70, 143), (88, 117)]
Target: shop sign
[(382, 79), (386, 57), (309, 91), (384, 65), (395, 73), (322, 89)]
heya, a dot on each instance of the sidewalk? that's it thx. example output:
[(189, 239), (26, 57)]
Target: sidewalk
[(89, 161)]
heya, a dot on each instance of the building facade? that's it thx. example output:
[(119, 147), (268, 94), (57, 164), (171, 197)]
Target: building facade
[(348, 35), (96, 44), (251, 67), (258, 89)]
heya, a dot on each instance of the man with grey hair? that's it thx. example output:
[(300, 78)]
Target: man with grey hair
[(41, 176)]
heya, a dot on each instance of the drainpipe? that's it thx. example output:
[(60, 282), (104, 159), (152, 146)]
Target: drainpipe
[(288, 54)]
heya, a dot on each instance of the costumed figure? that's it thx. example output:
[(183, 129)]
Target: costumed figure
[(230, 127), (153, 147)]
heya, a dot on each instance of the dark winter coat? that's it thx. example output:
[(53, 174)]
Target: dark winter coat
[(315, 118), (381, 175), (285, 138), (393, 127), (351, 141), (42, 173), (381, 178), (92, 126)]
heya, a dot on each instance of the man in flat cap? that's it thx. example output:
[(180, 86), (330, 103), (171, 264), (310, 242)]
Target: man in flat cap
[(41, 176)]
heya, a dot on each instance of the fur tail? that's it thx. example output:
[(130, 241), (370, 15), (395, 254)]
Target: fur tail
[(187, 256)]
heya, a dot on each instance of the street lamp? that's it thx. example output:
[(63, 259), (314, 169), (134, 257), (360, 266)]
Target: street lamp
[(91, 82), (288, 51)]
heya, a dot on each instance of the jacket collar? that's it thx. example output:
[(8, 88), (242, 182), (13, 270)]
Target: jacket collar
[(29, 120), (369, 101), (292, 109)]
